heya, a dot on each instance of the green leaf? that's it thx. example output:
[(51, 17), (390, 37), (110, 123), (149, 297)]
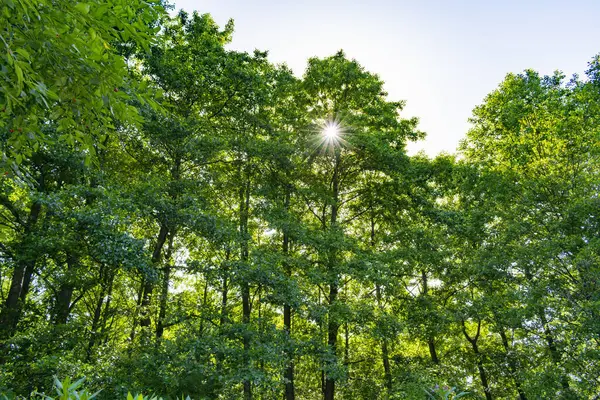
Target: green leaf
[(24, 53), (19, 73), (83, 8), (77, 384)]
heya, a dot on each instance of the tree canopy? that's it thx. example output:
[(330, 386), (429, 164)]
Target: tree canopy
[(181, 218)]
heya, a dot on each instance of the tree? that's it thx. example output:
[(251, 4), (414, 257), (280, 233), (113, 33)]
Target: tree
[(342, 96), (249, 233), (64, 64), (539, 133)]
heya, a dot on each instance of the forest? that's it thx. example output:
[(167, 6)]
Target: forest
[(184, 220)]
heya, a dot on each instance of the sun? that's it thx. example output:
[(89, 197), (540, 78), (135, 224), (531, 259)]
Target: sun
[(329, 135), (331, 131)]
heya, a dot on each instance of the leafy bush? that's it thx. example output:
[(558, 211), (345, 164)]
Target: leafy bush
[(444, 393), (67, 390)]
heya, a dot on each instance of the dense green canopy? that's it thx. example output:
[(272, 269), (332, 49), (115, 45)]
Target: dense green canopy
[(174, 220)]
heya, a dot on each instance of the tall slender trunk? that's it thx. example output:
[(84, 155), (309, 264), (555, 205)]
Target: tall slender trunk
[(478, 356), (321, 335), (164, 295), (333, 324), (204, 303), (555, 355), (512, 366), (62, 307), (244, 206), (138, 306), (554, 352), (64, 299), (385, 357), (290, 392), (106, 313), (97, 312), (431, 338), (432, 350), (149, 282), (164, 231), (261, 325), (9, 317), (223, 316), (20, 282), (29, 269), (346, 344), (145, 303), (246, 338), (332, 334)]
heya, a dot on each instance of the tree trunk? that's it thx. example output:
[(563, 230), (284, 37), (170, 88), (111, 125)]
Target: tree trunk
[(555, 355), (321, 335), (164, 295), (244, 207), (511, 364), (29, 269), (346, 344), (204, 303), (97, 313), (138, 306), (289, 370), (160, 242), (387, 371), (332, 322), (385, 357), (431, 338), (478, 355), (148, 282), (10, 313), (482, 373), (290, 393), (432, 351), (332, 334), (223, 316), (62, 307), (554, 352), (20, 282), (246, 339), (106, 312)]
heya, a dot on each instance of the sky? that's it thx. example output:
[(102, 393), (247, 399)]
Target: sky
[(441, 57)]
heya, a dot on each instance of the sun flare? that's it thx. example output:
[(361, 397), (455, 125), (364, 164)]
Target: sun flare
[(331, 131), (329, 135)]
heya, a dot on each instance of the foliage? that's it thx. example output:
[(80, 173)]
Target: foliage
[(67, 390), (214, 242), (444, 393), (63, 61)]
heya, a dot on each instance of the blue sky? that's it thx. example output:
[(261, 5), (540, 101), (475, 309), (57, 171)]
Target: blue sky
[(442, 57)]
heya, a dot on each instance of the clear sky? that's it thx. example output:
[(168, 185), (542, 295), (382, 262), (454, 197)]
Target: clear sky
[(442, 57)]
